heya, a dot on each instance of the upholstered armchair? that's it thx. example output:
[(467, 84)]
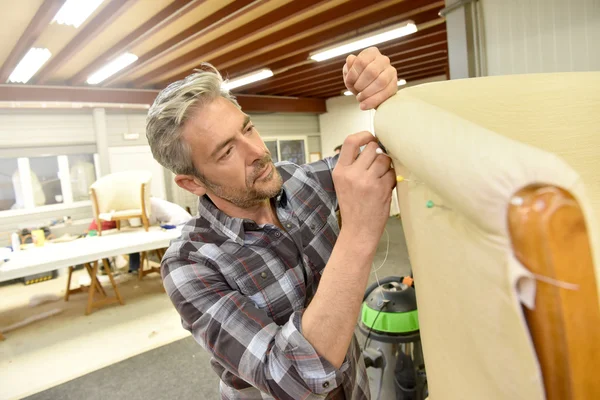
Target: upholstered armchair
[(120, 196), (500, 205)]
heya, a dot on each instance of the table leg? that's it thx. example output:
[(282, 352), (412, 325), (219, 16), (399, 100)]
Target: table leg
[(144, 257), (68, 291), (112, 280), (96, 286), (93, 283), (94, 278)]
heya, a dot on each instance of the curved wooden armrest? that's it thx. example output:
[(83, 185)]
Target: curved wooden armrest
[(549, 236)]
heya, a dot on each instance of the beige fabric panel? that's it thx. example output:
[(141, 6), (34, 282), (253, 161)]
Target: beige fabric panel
[(469, 286), (122, 191)]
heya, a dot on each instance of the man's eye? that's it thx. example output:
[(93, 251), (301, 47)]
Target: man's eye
[(227, 153), (250, 128)]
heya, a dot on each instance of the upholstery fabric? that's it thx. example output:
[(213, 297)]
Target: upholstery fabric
[(468, 146), (121, 192)]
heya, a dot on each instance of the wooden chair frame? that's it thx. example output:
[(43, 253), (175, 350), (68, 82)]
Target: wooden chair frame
[(549, 236), (143, 215)]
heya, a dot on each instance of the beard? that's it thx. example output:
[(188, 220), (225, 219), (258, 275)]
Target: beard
[(256, 190)]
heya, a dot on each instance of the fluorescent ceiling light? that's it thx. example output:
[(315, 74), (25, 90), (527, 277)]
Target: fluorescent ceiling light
[(247, 79), (112, 68), (29, 65), (401, 82), (348, 93), (75, 12), (372, 39)]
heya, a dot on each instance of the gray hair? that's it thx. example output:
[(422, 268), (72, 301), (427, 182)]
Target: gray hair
[(171, 110)]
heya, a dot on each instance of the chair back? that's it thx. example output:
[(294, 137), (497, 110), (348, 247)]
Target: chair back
[(491, 163)]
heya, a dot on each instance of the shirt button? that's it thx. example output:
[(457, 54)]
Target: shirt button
[(288, 225), (263, 275), (311, 226), (277, 234), (325, 384)]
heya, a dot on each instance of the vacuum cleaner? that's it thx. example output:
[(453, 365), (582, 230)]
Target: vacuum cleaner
[(390, 323)]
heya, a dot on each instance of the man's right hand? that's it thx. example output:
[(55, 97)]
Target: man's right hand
[(364, 184)]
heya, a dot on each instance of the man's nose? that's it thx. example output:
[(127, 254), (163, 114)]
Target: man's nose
[(256, 152)]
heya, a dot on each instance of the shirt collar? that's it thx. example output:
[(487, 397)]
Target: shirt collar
[(233, 228)]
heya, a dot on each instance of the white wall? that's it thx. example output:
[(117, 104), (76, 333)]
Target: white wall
[(344, 117), (531, 36), (35, 132)]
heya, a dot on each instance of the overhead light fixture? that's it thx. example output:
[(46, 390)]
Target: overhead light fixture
[(75, 12), (29, 65), (247, 79), (112, 68), (371, 39)]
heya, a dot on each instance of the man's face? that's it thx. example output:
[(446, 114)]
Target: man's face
[(230, 155)]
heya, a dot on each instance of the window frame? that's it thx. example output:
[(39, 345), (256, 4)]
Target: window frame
[(288, 138), (64, 175)]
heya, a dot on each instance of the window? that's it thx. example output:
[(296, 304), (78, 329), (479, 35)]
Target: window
[(8, 168), (31, 182), (293, 149), (272, 146), (45, 181), (82, 173)]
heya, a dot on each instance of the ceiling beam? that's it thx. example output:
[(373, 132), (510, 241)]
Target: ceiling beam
[(256, 26), (415, 46), (164, 17), (217, 19), (39, 22), (336, 76), (321, 88), (337, 79), (420, 11), (297, 52), (250, 103), (317, 23), (414, 77), (90, 31), (295, 82), (253, 103)]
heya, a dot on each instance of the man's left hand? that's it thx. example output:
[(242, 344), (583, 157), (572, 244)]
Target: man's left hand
[(371, 77)]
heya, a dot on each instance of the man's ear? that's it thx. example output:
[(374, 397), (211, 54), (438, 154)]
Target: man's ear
[(190, 183)]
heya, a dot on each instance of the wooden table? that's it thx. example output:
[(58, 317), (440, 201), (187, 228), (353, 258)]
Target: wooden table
[(88, 251)]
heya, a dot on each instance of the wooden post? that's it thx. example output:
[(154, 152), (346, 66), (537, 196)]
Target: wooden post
[(549, 237)]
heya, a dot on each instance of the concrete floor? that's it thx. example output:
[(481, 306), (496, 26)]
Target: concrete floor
[(181, 370)]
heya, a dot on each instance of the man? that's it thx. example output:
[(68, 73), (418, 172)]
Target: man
[(264, 278)]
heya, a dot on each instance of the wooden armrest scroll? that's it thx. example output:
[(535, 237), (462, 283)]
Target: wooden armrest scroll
[(550, 238)]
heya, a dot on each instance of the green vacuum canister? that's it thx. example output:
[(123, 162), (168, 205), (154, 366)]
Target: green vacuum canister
[(390, 310)]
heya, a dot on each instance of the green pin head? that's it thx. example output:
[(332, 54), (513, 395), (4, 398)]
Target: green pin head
[(430, 204)]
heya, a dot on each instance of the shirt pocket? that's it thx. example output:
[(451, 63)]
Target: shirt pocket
[(312, 223)]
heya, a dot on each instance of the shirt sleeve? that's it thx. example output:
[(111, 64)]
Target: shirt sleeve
[(277, 360), (322, 171)]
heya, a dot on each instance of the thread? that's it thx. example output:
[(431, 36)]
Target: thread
[(556, 282), (387, 249)]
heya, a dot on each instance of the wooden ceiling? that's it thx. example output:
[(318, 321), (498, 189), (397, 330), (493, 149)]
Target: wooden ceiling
[(172, 37)]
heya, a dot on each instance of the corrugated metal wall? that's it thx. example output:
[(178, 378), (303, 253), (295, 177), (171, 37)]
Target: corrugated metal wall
[(36, 128), (532, 36)]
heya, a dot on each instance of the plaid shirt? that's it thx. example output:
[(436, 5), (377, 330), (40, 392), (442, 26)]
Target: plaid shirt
[(241, 289)]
